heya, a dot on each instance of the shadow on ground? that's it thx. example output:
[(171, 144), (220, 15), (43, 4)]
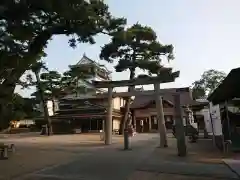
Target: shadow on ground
[(202, 160)]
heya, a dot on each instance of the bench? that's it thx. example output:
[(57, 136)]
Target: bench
[(5, 149)]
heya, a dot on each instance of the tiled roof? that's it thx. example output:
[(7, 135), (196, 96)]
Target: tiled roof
[(94, 62), (185, 98)]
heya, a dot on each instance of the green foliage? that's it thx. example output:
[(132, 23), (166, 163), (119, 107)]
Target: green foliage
[(208, 82), (198, 91), (30, 108), (71, 78), (22, 108), (54, 85), (27, 26), (136, 47), (51, 82), (17, 107)]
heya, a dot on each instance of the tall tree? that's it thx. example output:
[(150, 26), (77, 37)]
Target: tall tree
[(36, 69), (51, 81), (207, 83), (27, 26), (136, 47)]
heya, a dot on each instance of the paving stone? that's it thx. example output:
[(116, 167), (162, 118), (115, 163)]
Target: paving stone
[(233, 164), (143, 175), (188, 168)]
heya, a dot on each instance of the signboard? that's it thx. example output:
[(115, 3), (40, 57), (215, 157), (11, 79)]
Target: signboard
[(216, 119), (191, 120), (207, 121)]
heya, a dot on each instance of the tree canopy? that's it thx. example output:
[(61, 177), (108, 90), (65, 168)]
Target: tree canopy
[(207, 83), (26, 26), (51, 83), (136, 47), (23, 108)]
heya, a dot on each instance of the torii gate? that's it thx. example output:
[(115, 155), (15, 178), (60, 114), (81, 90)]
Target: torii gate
[(163, 78)]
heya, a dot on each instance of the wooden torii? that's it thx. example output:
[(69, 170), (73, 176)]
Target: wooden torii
[(157, 80)]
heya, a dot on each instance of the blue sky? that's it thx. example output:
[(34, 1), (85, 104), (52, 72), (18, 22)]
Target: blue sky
[(205, 34)]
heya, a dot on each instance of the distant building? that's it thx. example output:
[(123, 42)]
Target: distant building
[(86, 111), (144, 109), (101, 73), (87, 114)]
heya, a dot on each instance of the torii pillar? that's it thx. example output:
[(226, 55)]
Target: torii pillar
[(180, 131), (160, 116), (108, 123)]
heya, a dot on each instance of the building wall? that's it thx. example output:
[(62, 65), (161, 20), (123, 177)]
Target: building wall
[(117, 103), (50, 107), (116, 124)]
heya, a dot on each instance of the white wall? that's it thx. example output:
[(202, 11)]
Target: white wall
[(50, 107), (116, 124), (207, 120), (116, 103), (212, 125)]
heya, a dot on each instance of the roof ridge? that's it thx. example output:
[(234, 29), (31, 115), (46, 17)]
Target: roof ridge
[(93, 61)]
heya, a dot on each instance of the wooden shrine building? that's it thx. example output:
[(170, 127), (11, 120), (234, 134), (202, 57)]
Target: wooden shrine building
[(144, 112), (84, 114)]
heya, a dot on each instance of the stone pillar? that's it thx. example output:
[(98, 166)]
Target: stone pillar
[(108, 123), (150, 123), (134, 120), (160, 116), (103, 124), (180, 131)]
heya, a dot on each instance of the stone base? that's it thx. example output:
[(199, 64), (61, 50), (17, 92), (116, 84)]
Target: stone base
[(218, 141)]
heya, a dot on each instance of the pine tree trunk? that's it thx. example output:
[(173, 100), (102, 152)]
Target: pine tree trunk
[(76, 88), (4, 116), (44, 103), (53, 99), (127, 103), (6, 92), (53, 105)]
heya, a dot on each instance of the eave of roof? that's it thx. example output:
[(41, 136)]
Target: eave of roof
[(151, 101), (141, 101), (228, 89)]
